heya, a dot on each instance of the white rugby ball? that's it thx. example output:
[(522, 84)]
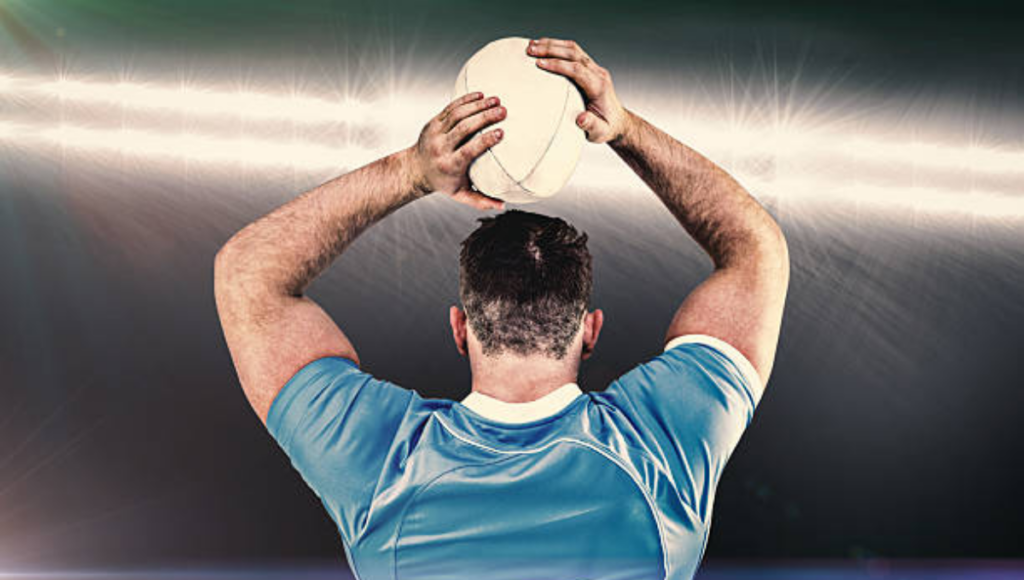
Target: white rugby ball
[(542, 143)]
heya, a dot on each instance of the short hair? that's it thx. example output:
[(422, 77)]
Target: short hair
[(525, 281)]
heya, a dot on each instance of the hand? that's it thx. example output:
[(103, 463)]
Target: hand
[(451, 141), (605, 118)]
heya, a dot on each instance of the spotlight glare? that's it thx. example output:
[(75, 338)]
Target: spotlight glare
[(200, 102), (205, 148), (7, 130), (400, 112), (785, 162)]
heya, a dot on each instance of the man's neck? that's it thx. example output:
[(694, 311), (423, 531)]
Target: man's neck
[(520, 379)]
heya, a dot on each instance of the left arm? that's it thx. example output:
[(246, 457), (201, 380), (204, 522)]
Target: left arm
[(260, 275)]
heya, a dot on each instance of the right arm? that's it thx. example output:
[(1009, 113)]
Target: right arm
[(741, 302)]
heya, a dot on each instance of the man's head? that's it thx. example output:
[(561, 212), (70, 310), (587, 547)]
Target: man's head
[(525, 282)]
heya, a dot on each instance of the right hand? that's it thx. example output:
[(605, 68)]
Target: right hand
[(605, 118), (451, 141)]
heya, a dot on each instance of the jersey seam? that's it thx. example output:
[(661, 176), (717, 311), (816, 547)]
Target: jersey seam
[(412, 500), (348, 555), (603, 452), (658, 465)]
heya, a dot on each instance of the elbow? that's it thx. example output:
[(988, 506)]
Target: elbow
[(241, 282), (226, 272), (763, 252)]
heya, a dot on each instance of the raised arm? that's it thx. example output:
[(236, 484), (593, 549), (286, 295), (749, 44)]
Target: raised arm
[(741, 302), (260, 275)]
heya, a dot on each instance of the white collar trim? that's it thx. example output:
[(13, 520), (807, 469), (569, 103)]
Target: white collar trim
[(546, 406)]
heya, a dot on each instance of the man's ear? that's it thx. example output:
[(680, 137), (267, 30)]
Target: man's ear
[(457, 319), (592, 324)]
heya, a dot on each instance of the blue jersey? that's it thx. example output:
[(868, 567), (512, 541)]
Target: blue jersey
[(614, 484)]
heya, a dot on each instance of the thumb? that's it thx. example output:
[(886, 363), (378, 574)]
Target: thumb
[(477, 200), (590, 123)]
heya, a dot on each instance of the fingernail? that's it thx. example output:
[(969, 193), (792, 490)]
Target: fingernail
[(499, 133), (542, 62), (492, 101)]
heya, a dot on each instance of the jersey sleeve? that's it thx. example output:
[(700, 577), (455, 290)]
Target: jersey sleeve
[(688, 407), (339, 426)]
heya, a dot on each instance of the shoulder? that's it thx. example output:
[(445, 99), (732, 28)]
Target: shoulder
[(693, 369), (335, 392)]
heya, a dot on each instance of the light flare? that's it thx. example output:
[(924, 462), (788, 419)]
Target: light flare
[(781, 161), (205, 148), (196, 101)]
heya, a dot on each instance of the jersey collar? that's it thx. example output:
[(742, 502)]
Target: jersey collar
[(546, 406)]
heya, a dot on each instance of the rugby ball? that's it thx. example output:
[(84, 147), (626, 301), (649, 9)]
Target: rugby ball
[(542, 143)]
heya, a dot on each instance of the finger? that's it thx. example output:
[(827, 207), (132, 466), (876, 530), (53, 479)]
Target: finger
[(467, 98), (551, 51), (554, 41), (587, 121), (577, 72), (566, 49), (468, 110), (470, 125), (476, 146), (477, 200)]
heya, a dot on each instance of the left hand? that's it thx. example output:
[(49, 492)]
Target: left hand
[(451, 141), (605, 118)]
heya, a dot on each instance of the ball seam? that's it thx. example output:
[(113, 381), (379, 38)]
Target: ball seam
[(551, 140), (489, 152)]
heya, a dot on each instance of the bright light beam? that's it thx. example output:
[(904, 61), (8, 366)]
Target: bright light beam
[(193, 101), (785, 150), (203, 148), (917, 199), (593, 174), (398, 112)]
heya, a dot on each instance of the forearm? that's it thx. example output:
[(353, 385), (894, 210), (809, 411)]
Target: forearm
[(715, 210), (280, 254)]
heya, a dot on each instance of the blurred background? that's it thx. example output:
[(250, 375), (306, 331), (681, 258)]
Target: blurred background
[(136, 137)]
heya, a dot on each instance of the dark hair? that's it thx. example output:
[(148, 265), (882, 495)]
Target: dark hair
[(525, 281)]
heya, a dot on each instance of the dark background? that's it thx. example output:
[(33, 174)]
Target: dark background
[(891, 426)]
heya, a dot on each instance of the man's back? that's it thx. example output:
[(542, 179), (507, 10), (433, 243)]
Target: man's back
[(616, 484)]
